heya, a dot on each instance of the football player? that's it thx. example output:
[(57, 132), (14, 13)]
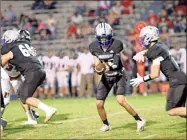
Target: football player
[(4, 59), (107, 50), (157, 52), (25, 60), (50, 68), (63, 74)]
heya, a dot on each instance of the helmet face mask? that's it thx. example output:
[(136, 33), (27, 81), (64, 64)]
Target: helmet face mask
[(145, 41), (103, 33), (24, 34), (105, 41)]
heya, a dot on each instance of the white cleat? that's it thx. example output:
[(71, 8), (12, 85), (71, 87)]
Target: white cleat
[(105, 128), (140, 125), (30, 122), (50, 114)]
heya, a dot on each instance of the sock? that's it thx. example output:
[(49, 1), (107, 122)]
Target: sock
[(137, 118), (106, 122), (2, 111), (43, 107), (29, 115)]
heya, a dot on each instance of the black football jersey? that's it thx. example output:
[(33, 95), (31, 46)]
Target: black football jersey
[(24, 54), (169, 66), (110, 56)]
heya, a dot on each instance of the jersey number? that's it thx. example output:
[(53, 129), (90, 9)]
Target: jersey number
[(27, 50)]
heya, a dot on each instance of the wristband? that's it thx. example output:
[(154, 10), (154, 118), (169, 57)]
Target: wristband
[(147, 78)]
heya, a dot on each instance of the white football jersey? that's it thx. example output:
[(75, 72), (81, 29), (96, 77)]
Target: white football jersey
[(180, 57), (11, 70), (50, 63), (63, 63), (73, 63)]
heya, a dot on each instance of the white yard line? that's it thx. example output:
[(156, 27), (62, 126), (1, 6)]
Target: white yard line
[(149, 136), (110, 114)]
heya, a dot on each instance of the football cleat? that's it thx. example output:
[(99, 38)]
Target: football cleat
[(3, 123), (35, 114), (140, 125), (50, 114), (105, 128), (30, 122)]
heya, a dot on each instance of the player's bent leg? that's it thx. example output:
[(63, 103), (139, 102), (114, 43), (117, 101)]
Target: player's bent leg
[(34, 79), (178, 111), (140, 122), (176, 99)]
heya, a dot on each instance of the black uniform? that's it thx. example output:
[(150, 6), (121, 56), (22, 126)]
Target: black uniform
[(2, 99), (116, 75), (177, 93), (27, 63)]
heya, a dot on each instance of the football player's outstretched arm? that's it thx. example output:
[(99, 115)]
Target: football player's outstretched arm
[(155, 72), (6, 57)]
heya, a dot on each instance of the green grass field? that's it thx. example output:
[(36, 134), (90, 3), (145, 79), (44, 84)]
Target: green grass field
[(78, 119)]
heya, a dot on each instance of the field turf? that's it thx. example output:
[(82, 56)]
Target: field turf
[(78, 119)]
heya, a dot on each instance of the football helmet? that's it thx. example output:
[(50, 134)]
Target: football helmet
[(147, 35), (104, 34), (10, 36), (24, 34)]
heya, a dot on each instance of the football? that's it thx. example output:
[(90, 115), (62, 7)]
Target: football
[(100, 68)]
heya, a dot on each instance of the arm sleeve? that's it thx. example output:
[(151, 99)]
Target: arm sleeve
[(157, 60), (4, 49), (91, 50)]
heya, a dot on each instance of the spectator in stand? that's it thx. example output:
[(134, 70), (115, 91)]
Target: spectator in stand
[(162, 23), (44, 35), (84, 30), (77, 18), (127, 7), (164, 34), (163, 14), (26, 24), (51, 22), (2, 18), (103, 6), (117, 8), (50, 4), (9, 15), (71, 31), (41, 25), (152, 18), (168, 6), (38, 4), (81, 7), (112, 18), (34, 22), (179, 25)]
